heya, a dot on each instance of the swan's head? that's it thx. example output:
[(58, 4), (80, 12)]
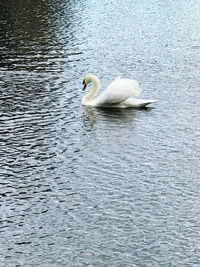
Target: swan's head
[(90, 78)]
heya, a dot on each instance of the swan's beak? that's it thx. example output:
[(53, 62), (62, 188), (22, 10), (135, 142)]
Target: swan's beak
[(84, 85)]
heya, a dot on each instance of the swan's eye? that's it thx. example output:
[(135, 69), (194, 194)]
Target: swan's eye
[(84, 85)]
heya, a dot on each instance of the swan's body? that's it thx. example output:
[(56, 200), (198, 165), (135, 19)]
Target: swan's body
[(118, 94)]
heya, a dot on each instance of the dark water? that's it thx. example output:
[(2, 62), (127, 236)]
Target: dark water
[(88, 187)]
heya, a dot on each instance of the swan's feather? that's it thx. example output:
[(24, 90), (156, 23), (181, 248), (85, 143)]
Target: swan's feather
[(136, 103), (117, 92)]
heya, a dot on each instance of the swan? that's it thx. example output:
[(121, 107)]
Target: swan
[(119, 93)]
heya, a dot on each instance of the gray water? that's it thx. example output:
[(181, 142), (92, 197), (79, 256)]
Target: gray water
[(98, 187)]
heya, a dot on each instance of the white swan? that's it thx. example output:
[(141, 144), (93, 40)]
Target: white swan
[(119, 94)]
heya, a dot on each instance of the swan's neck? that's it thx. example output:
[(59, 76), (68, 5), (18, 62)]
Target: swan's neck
[(95, 88)]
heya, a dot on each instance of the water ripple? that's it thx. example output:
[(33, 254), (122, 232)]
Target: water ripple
[(81, 186)]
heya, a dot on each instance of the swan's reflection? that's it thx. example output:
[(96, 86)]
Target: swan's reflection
[(110, 115), (90, 113)]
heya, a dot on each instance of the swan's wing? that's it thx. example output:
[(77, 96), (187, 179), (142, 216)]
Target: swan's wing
[(118, 91)]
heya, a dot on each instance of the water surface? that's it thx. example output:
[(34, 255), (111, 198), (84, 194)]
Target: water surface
[(97, 187)]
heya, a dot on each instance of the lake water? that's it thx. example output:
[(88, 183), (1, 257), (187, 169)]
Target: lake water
[(99, 187)]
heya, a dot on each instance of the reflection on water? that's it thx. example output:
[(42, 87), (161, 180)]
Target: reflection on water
[(91, 116), (116, 117), (99, 187)]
